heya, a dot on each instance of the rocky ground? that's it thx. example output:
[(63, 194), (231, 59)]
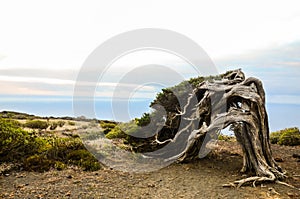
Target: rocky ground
[(199, 179)]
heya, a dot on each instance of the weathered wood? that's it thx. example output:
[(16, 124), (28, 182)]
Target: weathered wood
[(232, 101)]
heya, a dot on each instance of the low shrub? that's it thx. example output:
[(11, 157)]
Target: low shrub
[(144, 120), (15, 143), (71, 123), (84, 159), (226, 138), (36, 124), (116, 133), (275, 136), (107, 126), (288, 136), (38, 163), (40, 153), (123, 130), (53, 125), (61, 123)]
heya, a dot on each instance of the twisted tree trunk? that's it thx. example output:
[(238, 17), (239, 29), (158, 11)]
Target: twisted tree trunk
[(234, 101)]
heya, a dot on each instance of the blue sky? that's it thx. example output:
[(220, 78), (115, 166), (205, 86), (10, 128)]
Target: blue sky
[(44, 44)]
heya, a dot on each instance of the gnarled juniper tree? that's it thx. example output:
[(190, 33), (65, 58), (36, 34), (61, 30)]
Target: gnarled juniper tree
[(214, 104)]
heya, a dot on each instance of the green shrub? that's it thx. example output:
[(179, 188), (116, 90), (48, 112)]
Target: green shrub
[(36, 124), (144, 120), (59, 165), (288, 136), (40, 153), (53, 125), (61, 123), (15, 143), (275, 136), (116, 133), (107, 126), (84, 159), (123, 130), (71, 123), (226, 138)]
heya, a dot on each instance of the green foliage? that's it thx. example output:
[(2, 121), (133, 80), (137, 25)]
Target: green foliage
[(288, 136), (166, 105), (107, 126), (38, 153), (168, 97), (53, 125), (37, 163), (116, 133), (123, 130), (226, 138), (15, 115), (71, 123), (36, 124), (84, 159), (144, 120), (59, 165), (14, 142), (61, 123), (275, 136)]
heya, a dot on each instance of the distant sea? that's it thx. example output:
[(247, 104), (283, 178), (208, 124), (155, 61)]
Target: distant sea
[(280, 115)]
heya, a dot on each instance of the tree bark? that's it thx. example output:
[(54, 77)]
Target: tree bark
[(232, 101)]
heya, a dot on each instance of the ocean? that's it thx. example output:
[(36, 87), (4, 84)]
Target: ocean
[(280, 115)]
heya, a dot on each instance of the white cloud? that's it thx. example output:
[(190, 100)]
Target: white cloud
[(58, 34)]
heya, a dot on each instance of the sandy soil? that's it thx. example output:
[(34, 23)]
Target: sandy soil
[(199, 179)]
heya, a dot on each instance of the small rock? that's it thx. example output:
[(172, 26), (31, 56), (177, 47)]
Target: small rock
[(7, 174), (69, 176), (151, 185)]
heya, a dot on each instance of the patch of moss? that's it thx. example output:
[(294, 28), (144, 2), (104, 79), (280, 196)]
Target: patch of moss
[(37, 163)]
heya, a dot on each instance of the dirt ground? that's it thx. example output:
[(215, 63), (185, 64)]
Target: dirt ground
[(199, 179)]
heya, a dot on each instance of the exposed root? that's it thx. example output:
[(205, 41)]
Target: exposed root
[(286, 184), (255, 179)]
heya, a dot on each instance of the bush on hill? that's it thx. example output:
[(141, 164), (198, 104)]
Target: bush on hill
[(288, 136), (40, 153)]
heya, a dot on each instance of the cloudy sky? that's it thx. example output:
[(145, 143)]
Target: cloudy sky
[(44, 44)]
